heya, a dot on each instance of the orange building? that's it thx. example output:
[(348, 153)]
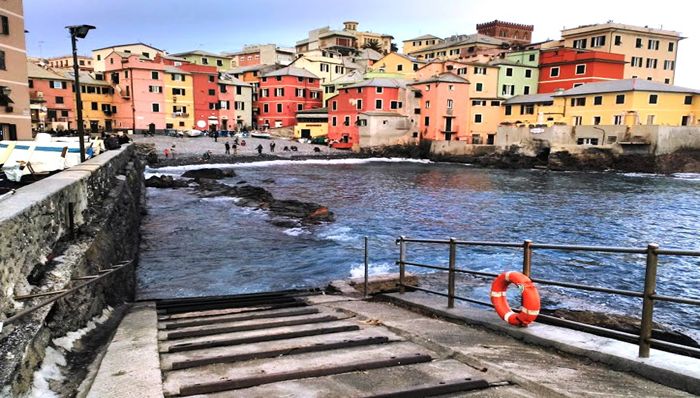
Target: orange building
[(444, 108)]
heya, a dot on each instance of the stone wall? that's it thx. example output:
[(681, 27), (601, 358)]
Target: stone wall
[(39, 252)]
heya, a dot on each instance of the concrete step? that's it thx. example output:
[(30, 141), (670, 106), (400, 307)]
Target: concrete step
[(369, 382), (232, 376), (252, 336), (275, 348), (210, 319), (229, 311)]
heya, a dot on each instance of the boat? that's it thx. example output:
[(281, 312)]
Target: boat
[(193, 133), (260, 134), (41, 156)]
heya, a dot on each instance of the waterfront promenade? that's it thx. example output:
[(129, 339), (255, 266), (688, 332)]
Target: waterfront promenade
[(331, 345)]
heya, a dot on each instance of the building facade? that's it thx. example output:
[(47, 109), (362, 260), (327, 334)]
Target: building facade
[(518, 73), (141, 50), (347, 41), (649, 53), (444, 107), (401, 65), (179, 98), (262, 54), (285, 92), (411, 46), (311, 123), (460, 46), (15, 115), (565, 68), (52, 99), (205, 58), (66, 62), (514, 32)]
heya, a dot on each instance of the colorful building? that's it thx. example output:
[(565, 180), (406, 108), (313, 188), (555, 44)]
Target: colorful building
[(312, 123), (285, 92), (325, 64), (411, 46), (565, 68), (241, 93), (533, 110), (444, 108), (179, 107), (66, 62), (199, 57), (518, 73), (403, 66), (141, 50), (262, 54), (650, 53), (252, 75), (346, 41), (97, 97), (514, 32), (375, 95), (52, 99), (15, 118), (460, 46)]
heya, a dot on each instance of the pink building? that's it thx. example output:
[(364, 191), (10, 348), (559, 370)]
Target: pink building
[(139, 90), (444, 108), (284, 92)]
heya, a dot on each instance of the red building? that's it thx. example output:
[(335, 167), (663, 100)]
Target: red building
[(565, 68), (378, 94), (52, 99), (284, 92)]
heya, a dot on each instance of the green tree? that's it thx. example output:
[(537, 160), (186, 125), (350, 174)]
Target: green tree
[(373, 44)]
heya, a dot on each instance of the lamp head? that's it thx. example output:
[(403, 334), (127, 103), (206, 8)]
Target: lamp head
[(79, 31)]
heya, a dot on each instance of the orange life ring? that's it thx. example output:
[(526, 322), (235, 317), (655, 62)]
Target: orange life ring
[(531, 298)]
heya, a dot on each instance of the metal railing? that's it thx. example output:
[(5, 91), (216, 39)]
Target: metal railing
[(648, 295), (59, 294)]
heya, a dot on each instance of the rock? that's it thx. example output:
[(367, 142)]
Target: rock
[(268, 181), (284, 223), (209, 173), (166, 182)]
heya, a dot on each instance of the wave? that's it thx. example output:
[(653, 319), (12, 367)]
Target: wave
[(687, 176), (358, 271), (296, 231), (221, 199), (339, 234)]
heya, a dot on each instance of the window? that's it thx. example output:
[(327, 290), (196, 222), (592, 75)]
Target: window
[(427, 121), (359, 104), (618, 40), (380, 90), (527, 109), (685, 120), (346, 121), (598, 100), (178, 91), (427, 104), (450, 103), (637, 61), (399, 68), (620, 99), (264, 92), (554, 72), (266, 108), (576, 120), (638, 43), (279, 108), (597, 41), (154, 75), (509, 110), (669, 65), (300, 107), (279, 92), (479, 70), (478, 103), (653, 45), (580, 43), (596, 120), (526, 90), (334, 121), (396, 104), (650, 119), (580, 69), (155, 89), (580, 101), (93, 106), (378, 104), (99, 57), (339, 69), (211, 91), (325, 68), (59, 100), (31, 83), (155, 107), (531, 57), (65, 113), (314, 95), (479, 87), (205, 61), (334, 105), (617, 120), (299, 92), (670, 47), (359, 90), (653, 98), (528, 73), (211, 79), (126, 74), (688, 100), (495, 103), (55, 84), (177, 77), (477, 118), (219, 62), (587, 141), (509, 71), (651, 63), (667, 81), (508, 89), (450, 87)]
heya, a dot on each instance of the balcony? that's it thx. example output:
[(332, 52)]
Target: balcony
[(180, 114)]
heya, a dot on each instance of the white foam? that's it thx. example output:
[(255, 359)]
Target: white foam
[(66, 342), (338, 234), (358, 271), (296, 231), (50, 370), (687, 176), (221, 199)]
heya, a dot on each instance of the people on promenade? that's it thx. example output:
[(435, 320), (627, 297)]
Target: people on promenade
[(172, 151), (235, 148), (260, 149), (272, 146), (166, 152), (228, 148)]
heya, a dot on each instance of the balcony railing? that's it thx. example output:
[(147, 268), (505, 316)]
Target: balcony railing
[(180, 114)]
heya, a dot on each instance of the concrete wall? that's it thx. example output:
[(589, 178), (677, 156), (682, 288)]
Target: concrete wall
[(386, 130), (38, 253), (459, 148)]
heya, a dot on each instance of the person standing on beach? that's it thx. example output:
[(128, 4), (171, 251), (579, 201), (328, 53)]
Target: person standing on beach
[(235, 148), (166, 152), (172, 151), (228, 148), (272, 146), (259, 148)]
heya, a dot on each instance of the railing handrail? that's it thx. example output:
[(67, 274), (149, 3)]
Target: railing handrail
[(648, 295), (63, 293)]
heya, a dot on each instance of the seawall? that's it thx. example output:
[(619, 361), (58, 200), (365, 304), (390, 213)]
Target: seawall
[(67, 226)]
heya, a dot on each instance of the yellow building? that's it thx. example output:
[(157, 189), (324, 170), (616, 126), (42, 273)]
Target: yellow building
[(627, 102), (179, 99), (364, 38), (419, 43), (650, 53), (398, 64), (460, 46), (199, 57), (97, 97), (312, 123), (144, 50)]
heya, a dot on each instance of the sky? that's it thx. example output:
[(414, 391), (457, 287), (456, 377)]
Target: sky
[(227, 25)]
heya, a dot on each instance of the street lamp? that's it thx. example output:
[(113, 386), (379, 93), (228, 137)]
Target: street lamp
[(78, 32)]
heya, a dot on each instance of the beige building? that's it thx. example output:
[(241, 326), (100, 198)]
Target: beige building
[(460, 46), (66, 62), (364, 38), (650, 53), (144, 50), (346, 41), (15, 118), (199, 57), (265, 54), (420, 42)]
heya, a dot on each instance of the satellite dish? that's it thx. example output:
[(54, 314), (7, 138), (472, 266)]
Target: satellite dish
[(201, 124)]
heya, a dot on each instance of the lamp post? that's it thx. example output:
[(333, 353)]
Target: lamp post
[(78, 32)]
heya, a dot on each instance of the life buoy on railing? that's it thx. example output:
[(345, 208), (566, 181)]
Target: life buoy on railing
[(531, 298)]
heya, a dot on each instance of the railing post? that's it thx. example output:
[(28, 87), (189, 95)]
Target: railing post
[(648, 301), (527, 257), (366, 265), (451, 275), (402, 265)]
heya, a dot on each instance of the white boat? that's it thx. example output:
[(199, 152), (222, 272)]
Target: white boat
[(193, 133), (41, 156), (260, 134)]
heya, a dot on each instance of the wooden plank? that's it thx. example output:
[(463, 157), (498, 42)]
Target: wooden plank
[(255, 326), (228, 311), (433, 389), (236, 317)]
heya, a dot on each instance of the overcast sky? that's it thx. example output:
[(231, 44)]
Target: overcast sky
[(226, 25)]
